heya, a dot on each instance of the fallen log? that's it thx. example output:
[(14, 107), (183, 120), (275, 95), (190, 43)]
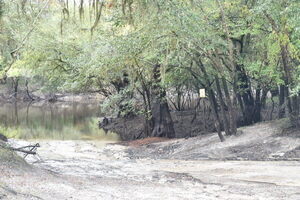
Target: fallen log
[(32, 146), (23, 151), (32, 150)]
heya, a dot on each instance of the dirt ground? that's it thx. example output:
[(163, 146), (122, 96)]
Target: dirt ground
[(263, 141), (243, 167)]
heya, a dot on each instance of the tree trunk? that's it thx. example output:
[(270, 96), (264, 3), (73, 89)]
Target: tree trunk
[(246, 96), (214, 104), (212, 100), (257, 108), (292, 102), (232, 116), (222, 103), (295, 113), (264, 97), (281, 111), (27, 91), (15, 87), (163, 125), (146, 94), (272, 108)]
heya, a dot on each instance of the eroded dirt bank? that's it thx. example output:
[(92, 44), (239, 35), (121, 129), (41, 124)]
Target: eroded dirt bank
[(97, 170), (263, 141)]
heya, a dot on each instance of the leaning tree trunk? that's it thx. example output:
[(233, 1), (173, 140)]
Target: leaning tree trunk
[(163, 125), (214, 105), (222, 105), (212, 100)]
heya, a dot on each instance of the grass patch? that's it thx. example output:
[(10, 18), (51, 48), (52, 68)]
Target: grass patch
[(11, 159)]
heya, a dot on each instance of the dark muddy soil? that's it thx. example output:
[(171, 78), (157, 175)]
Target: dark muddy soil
[(185, 124)]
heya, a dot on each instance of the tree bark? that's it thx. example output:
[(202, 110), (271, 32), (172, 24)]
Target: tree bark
[(214, 104), (163, 125), (15, 87), (257, 106), (246, 96), (281, 111), (292, 102), (295, 112), (222, 103), (27, 91), (212, 100), (232, 116)]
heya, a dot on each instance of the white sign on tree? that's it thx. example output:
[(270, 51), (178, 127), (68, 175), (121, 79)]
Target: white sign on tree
[(202, 93)]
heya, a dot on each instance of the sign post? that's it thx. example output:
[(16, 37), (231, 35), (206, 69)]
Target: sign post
[(203, 96)]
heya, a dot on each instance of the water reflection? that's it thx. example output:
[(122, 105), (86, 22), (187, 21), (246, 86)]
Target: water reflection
[(61, 121)]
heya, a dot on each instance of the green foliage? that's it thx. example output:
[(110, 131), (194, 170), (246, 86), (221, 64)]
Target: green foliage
[(11, 132), (79, 52)]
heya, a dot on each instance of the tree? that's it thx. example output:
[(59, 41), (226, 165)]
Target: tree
[(144, 56)]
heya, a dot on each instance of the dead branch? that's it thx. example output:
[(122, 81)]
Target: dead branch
[(32, 150)]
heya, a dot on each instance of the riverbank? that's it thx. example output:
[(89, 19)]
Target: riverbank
[(267, 141), (186, 124), (86, 172), (41, 98), (194, 168)]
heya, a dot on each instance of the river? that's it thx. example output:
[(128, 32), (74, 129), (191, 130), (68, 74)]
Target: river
[(54, 121)]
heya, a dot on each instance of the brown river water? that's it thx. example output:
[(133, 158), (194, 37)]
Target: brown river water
[(54, 121)]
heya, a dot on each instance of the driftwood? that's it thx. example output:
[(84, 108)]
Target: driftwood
[(23, 151), (31, 151)]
